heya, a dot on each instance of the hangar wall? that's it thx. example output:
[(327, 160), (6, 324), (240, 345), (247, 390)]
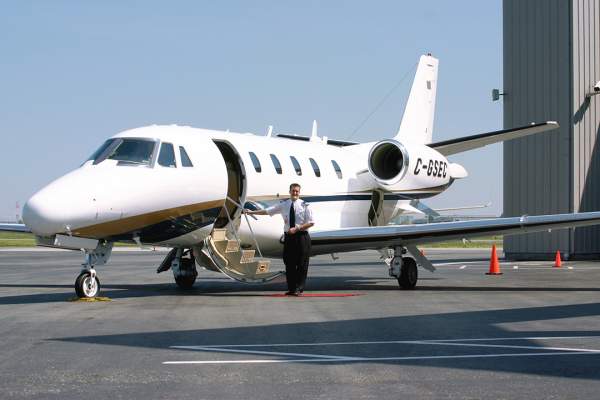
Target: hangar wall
[(551, 55)]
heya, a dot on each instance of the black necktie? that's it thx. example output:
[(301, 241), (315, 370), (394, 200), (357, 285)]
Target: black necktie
[(292, 216)]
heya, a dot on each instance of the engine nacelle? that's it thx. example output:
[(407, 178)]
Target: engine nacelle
[(415, 168), (388, 162)]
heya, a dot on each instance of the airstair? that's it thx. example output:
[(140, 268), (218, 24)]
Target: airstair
[(222, 252)]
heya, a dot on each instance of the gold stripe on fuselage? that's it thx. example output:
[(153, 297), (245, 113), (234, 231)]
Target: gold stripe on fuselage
[(129, 224)]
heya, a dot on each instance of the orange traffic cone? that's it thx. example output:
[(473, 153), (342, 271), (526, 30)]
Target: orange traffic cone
[(494, 265), (557, 260)]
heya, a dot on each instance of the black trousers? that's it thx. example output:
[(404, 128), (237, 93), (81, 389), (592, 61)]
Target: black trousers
[(296, 254)]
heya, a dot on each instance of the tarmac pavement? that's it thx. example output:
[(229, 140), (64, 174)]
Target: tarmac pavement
[(533, 332)]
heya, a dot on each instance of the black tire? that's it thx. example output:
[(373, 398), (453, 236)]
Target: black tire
[(408, 274), (185, 282), (84, 288), (188, 265)]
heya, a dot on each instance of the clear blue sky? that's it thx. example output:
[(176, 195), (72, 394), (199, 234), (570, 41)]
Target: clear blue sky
[(74, 73)]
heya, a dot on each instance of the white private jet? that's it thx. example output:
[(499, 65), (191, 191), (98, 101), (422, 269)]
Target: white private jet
[(185, 188)]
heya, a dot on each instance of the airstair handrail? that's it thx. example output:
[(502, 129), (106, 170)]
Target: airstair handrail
[(247, 221)]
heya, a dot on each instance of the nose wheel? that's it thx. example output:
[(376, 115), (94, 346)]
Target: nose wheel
[(87, 284)]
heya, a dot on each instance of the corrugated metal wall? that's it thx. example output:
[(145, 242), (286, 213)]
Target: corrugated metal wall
[(536, 86), (586, 120), (551, 56)]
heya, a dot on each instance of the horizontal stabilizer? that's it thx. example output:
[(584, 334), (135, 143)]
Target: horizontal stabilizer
[(14, 228), (453, 146)]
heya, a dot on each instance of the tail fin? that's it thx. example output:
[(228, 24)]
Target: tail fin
[(417, 121)]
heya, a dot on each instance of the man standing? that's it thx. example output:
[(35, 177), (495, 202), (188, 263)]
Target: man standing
[(298, 218)]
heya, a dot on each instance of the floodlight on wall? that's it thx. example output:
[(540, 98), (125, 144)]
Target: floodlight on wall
[(596, 90), (496, 94)]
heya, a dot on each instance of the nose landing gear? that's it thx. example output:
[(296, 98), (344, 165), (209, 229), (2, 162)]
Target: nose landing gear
[(87, 284)]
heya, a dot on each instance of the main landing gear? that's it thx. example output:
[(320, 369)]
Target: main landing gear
[(404, 269), (183, 265), (87, 284)]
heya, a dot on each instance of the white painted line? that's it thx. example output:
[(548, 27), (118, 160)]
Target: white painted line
[(388, 342), (372, 359), (273, 353), (515, 338), (506, 346), (516, 267), (457, 262), (463, 267)]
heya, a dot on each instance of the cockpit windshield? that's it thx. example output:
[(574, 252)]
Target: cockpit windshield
[(126, 151)]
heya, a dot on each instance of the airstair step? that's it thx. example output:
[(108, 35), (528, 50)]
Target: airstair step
[(219, 234), (247, 270), (217, 252), (235, 262), (232, 246), (227, 246), (240, 257), (262, 266)]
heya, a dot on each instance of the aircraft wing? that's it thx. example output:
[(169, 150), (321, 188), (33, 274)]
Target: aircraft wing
[(377, 237), (14, 228), (453, 146)]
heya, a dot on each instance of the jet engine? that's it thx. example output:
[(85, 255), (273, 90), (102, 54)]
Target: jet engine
[(388, 162)]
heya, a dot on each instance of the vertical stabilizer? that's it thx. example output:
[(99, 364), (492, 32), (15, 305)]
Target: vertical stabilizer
[(417, 121)]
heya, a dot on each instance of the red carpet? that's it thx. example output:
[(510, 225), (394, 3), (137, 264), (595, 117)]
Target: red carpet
[(317, 295)]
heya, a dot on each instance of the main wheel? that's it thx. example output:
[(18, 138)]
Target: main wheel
[(86, 287), (408, 273), (185, 282), (188, 266)]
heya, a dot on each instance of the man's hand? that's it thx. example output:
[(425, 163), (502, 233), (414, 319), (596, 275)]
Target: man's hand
[(293, 230)]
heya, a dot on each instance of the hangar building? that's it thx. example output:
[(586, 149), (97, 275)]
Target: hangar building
[(551, 62)]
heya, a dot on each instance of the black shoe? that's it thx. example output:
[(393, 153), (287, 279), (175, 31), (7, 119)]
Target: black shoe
[(297, 293), (290, 293)]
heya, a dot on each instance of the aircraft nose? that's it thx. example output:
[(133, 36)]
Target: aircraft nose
[(62, 205), (41, 216)]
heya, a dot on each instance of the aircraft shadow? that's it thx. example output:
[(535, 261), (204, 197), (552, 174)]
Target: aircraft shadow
[(223, 287), (441, 326)]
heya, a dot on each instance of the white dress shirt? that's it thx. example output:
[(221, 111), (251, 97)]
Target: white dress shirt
[(301, 209)]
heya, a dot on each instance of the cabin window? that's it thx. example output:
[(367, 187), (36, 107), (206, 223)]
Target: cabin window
[(126, 151), (296, 165), (166, 158), (337, 169), (255, 162), (315, 167), (276, 163), (185, 159)]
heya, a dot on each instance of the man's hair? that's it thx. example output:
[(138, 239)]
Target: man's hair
[(293, 185)]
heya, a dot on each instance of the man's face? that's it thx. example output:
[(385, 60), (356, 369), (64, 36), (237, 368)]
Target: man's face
[(294, 193)]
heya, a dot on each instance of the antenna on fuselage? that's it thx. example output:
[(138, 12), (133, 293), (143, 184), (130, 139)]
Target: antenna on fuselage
[(270, 131)]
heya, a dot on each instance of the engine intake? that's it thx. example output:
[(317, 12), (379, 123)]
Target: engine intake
[(388, 161)]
